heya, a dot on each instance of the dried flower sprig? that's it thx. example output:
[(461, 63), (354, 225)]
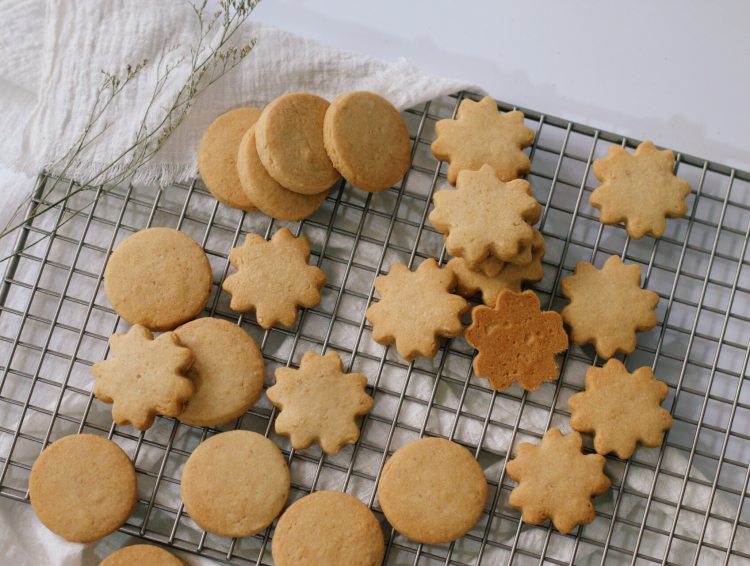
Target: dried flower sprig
[(208, 63)]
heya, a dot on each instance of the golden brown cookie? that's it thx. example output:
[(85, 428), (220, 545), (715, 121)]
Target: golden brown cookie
[(289, 138), (367, 140), (416, 308), (319, 402), (235, 483), (270, 197), (144, 377), (227, 371), (273, 278), (159, 278), (432, 490), (82, 487), (557, 481), (607, 306), (510, 277), (621, 408), (639, 189), (217, 156), (480, 135), (516, 341), (484, 217), (328, 527), (141, 555)]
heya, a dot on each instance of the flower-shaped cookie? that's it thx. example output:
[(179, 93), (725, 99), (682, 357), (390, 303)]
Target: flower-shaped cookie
[(415, 308), (481, 135), (557, 481), (621, 408), (319, 402), (484, 216), (510, 277), (639, 189), (273, 278), (516, 341), (607, 306), (144, 377)]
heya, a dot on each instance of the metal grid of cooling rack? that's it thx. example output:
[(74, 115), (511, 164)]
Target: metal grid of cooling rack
[(686, 502)]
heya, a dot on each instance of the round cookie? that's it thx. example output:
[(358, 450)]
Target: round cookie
[(82, 487), (158, 278), (227, 371), (217, 156), (432, 490), (328, 527), (235, 483), (367, 140), (142, 555), (265, 192), (289, 138)]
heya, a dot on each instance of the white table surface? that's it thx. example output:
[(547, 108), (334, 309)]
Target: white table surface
[(674, 72)]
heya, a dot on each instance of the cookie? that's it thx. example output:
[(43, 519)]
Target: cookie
[(639, 189), (227, 371), (217, 156), (484, 217), (367, 140), (556, 481), (158, 278), (621, 408), (141, 555), (481, 135), (319, 402), (607, 306), (516, 341), (235, 483), (289, 138), (82, 487), (273, 278), (328, 527), (144, 377), (270, 197), (432, 490), (509, 278), (416, 308)]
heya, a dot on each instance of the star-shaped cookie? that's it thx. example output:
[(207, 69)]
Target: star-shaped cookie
[(516, 341), (144, 377), (481, 135), (639, 189), (557, 481), (483, 216), (415, 308), (319, 402), (607, 306), (621, 408), (273, 278), (510, 277)]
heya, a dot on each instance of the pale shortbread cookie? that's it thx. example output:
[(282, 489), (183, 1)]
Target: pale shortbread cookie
[(556, 481), (141, 555), (235, 483), (265, 192), (639, 189), (144, 377), (319, 402), (227, 371), (432, 490), (327, 528), (289, 138), (159, 278), (82, 487), (367, 140), (217, 156)]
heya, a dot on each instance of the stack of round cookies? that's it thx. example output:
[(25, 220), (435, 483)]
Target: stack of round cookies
[(284, 159)]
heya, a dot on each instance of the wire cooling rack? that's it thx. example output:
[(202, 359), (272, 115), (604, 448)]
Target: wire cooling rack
[(685, 502)]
